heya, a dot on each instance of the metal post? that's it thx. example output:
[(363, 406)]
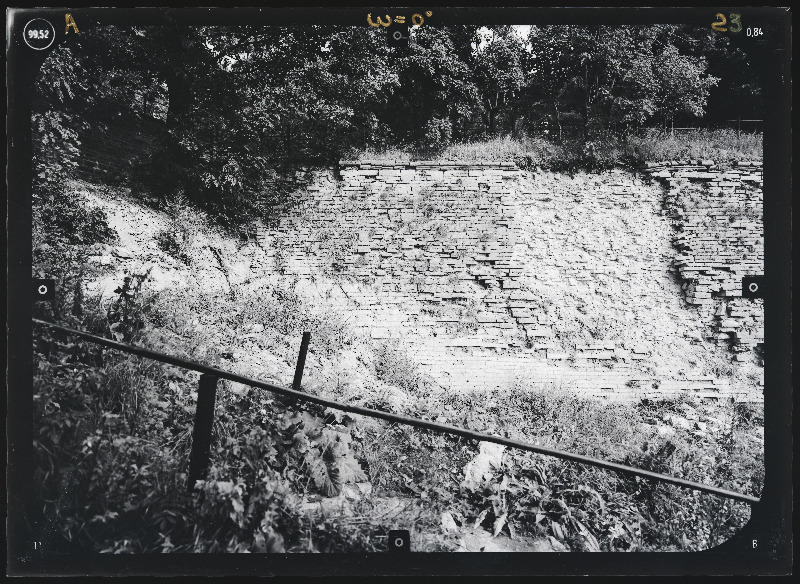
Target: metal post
[(201, 436), (301, 361)]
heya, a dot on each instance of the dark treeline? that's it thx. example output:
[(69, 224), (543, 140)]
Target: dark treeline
[(233, 97)]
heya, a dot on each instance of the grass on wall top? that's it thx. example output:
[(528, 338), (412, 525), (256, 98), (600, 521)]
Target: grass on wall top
[(650, 146)]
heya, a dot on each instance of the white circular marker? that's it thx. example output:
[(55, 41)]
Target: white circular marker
[(398, 542), (39, 34), (42, 289), (397, 35), (752, 287)]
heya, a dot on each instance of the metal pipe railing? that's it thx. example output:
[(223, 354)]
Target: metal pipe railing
[(213, 372)]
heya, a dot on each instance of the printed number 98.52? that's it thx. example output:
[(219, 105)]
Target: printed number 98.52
[(38, 34), (719, 24)]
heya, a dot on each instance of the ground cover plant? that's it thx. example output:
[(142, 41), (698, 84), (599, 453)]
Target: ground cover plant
[(113, 433)]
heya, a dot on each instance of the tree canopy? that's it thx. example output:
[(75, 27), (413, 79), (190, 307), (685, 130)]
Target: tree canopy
[(231, 97)]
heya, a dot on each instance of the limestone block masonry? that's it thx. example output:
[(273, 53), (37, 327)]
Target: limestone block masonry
[(488, 275), (719, 216)]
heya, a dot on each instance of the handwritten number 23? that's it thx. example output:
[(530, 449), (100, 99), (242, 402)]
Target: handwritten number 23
[(719, 24)]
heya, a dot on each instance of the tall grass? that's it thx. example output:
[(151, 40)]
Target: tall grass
[(499, 149), (653, 145), (716, 145)]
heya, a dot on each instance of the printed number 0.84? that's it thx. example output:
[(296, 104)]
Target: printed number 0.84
[(719, 24)]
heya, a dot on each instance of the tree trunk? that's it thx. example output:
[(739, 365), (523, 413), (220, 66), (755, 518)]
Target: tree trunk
[(485, 116), (585, 102), (173, 69), (177, 98), (558, 122)]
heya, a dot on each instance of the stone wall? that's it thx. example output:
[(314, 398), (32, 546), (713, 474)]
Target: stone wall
[(412, 221), (489, 275), (719, 216)]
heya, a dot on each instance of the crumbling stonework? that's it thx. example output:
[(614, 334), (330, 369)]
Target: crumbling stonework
[(488, 275), (719, 217)]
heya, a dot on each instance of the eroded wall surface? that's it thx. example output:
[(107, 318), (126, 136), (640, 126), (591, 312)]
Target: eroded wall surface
[(488, 275), (719, 216)]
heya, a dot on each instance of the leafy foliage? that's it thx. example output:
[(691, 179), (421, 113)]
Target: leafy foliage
[(436, 136), (235, 101), (113, 433), (500, 74), (62, 216), (590, 509), (617, 77)]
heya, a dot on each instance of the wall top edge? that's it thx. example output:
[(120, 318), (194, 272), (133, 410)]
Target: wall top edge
[(424, 164), (701, 164)]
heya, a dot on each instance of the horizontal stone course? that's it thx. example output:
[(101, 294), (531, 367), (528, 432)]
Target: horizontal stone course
[(720, 242), (450, 246)]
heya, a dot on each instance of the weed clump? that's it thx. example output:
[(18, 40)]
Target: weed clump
[(394, 366), (178, 238)]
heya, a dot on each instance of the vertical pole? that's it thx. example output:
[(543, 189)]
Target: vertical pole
[(77, 299), (201, 436), (301, 361)]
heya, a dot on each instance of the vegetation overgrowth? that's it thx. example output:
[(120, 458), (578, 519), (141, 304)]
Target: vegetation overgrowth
[(113, 434), (653, 145), (112, 431), (233, 101)]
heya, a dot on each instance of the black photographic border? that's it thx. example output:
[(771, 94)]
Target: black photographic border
[(771, 518)]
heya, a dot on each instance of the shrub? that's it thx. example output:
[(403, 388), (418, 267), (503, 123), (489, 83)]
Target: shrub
[(61, 213), (393, 366), (113, 440), (435, 137), (227, 189), (177, 239), (589, 508)]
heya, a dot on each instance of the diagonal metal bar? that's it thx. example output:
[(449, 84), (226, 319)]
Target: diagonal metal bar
[(407, 420)]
